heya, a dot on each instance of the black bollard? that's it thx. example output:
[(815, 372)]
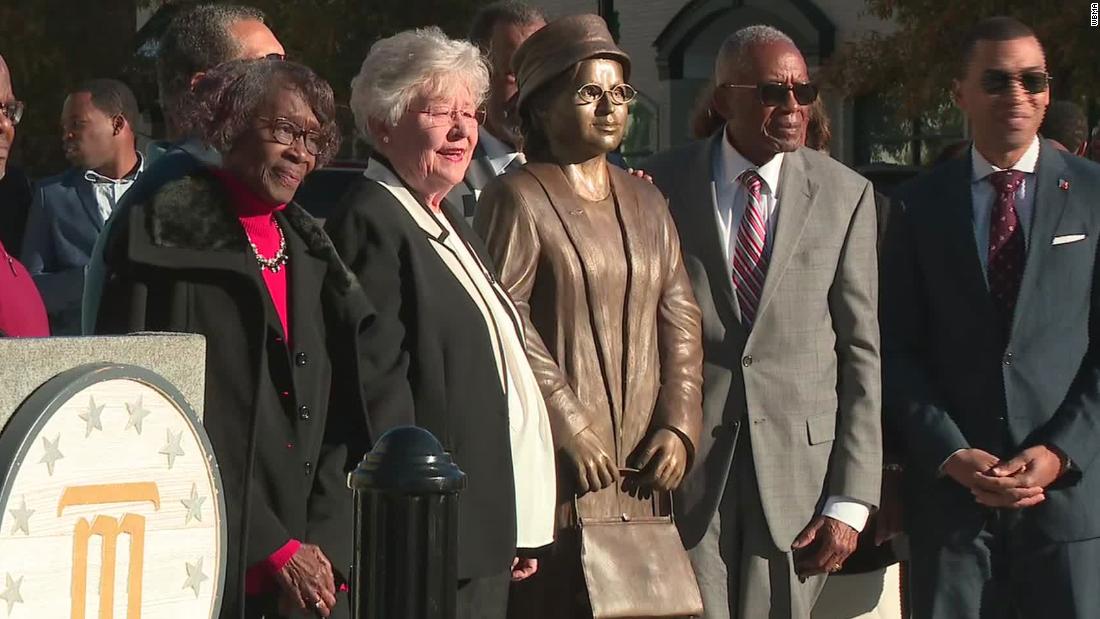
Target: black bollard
[(406, 528)]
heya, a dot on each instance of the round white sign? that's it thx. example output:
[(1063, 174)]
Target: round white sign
[(111, 504)]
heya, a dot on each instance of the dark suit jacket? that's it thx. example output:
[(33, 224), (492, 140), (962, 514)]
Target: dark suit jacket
[(15, 203), (62, 227), (286, 420), (173, 164), (954, 380), (452, 370)]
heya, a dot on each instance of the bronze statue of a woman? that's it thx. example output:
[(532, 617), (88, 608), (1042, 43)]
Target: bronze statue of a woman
[(591, 257)]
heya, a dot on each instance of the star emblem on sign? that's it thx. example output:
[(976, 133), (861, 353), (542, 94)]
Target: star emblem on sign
[(11, 593), (91, 417), (193, 505), (22, 519), (53, 453), (194, 576), (137, 415), (172, 447)]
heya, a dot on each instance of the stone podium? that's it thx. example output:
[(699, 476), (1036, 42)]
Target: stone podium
[(111, 503)]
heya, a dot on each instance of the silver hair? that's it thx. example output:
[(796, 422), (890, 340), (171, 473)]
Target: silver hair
[(414, 62), (734, 48)]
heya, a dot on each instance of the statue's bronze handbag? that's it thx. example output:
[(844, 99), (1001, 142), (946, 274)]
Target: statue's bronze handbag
[(636, 567)]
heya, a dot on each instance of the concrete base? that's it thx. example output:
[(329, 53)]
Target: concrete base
[(26, 363)]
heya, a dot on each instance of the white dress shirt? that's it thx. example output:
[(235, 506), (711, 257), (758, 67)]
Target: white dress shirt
[(108, 191), (500, 154), (731, 200), (983, 196)]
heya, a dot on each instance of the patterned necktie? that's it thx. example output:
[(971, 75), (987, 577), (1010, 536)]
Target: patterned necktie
[(750, 259), (1006, 244)]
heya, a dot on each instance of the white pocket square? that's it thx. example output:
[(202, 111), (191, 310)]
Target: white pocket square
[(1068, 238)]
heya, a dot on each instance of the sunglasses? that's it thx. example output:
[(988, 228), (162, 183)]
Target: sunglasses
[(775, 93), (995, 82)]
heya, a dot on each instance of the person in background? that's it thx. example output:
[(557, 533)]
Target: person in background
[(15, 190), (198, 39), (292, 351), (69, 209), (22, 313), (498, 29), (1066, 127), (417, 99)]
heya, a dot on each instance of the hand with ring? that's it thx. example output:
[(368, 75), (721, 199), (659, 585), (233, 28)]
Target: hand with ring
[(306, 582)]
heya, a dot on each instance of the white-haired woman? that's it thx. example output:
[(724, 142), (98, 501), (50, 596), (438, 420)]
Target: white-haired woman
[(417, 99)]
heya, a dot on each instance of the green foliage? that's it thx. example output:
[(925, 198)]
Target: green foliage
[(916, 63)]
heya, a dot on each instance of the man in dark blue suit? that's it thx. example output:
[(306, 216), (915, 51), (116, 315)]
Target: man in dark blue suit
[(69, 209), (198, 39), (991, 341)]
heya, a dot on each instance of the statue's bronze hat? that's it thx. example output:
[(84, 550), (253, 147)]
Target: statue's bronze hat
[(559, 45)]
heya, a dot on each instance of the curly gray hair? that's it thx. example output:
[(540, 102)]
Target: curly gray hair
[(414, 62)]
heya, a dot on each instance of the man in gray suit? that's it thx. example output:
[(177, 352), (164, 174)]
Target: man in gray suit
[(69, 209), (779, 242), (991, 340), (498, 29)]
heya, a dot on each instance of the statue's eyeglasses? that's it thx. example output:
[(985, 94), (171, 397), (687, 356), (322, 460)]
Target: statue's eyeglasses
[(619, 95)]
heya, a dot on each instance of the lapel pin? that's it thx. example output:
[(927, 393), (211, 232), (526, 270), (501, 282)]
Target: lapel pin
[(1063, 184)]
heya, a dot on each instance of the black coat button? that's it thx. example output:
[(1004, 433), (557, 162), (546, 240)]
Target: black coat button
[(301, 359), (309, 468), (1007, 359), (303, 412), (747, 361)]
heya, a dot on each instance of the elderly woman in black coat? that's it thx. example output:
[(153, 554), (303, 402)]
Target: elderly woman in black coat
[(417, 98), (294, 346)]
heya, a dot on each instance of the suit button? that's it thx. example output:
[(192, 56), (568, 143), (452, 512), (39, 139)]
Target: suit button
[(278, 339), (303, 412), (301, 359), (747, 361), (1007, 359), (309, 468)]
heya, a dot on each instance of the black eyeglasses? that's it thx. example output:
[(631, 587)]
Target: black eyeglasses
[(619, 95), (13, 110), (775, 93), (997, 82), (285, 132)]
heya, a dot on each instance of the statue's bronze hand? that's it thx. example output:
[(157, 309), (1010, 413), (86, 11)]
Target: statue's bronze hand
[(595, 469), (661, 460)]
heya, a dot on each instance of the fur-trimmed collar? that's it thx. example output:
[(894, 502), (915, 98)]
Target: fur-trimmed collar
[(194, 213)]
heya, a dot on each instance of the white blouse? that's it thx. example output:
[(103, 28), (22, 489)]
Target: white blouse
[(529, 425)]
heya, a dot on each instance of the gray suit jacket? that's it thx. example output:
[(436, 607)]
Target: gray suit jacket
[(805, 382), (62, 227)]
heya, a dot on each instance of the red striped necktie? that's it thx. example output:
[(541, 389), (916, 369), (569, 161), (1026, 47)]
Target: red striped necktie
[(750, 257)]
